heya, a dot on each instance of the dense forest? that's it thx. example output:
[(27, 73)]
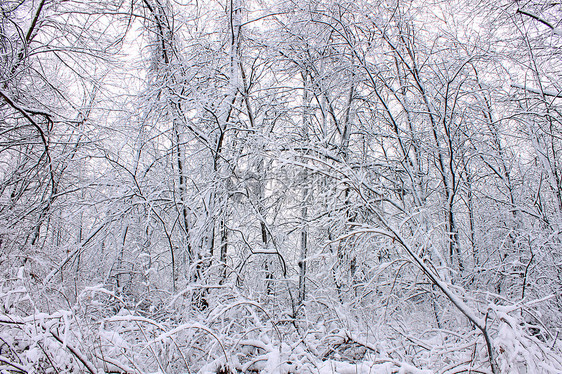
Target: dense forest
[(295, 186)]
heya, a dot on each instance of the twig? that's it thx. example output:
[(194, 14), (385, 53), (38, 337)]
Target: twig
[(76, 353), (12, 364)]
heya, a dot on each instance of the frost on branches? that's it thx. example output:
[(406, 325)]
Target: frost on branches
[(320, 186)]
